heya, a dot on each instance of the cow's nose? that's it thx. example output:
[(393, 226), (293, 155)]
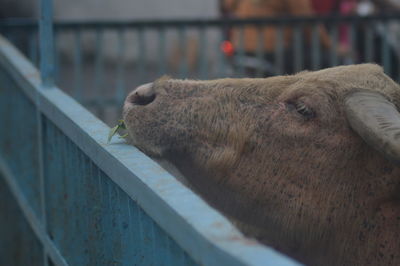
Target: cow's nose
[(142, 95)]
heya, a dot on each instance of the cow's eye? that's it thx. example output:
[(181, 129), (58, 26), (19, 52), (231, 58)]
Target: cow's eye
[(304, 110)]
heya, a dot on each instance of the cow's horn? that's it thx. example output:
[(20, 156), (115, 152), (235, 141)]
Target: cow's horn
[(376, 120)]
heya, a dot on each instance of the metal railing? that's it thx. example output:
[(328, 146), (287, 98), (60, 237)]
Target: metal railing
[(99, 62), (69, 198)]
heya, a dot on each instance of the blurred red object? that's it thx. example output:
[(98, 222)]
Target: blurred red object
[(227, 48), (324, 7)]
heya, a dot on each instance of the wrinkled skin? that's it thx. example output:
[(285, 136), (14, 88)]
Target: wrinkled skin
[(278, 157)]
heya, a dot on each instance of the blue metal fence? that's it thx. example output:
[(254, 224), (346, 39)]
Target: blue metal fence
[(69, 198), (99, 62)]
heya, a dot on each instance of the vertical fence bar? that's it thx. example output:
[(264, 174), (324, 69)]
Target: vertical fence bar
[(369, 42), (260, 52), (41, 174), (56, 53), (162, 59), (183, 52), (84, 203), (99, 78), (240, 51), (47, 74), (46, 43), (315, 47), (221, 65), (298, 48), (334, 59), (141, 54), (120, 92), (202, 59), (385, 49), (353, 42), (279, 46), (348, 37), (78, 65)]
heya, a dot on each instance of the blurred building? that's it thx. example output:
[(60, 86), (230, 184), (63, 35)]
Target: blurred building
[(18, 8), (137, 9), (115, 9)]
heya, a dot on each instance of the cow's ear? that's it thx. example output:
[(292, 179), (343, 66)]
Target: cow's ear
[(376, 120)]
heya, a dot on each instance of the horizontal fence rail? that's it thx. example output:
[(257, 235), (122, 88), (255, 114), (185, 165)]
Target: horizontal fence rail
[(66, 193), (98, 62)]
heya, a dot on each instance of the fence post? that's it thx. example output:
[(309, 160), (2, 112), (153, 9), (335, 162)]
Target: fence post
[(47, 71), (46, 43)]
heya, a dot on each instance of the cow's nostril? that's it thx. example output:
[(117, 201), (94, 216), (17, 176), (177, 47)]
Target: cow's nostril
[(143, 95), (142, 99)]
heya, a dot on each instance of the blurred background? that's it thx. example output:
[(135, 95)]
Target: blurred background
[(104, 49)]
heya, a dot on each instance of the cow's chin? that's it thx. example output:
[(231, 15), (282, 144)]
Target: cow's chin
[(147, 147)]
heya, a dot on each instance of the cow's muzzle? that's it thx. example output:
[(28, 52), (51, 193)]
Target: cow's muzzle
[(142, 95)]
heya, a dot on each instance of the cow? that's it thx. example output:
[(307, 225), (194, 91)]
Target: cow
[(305, 163)]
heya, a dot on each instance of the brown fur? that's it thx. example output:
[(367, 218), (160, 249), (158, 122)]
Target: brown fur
[(310, 187)]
